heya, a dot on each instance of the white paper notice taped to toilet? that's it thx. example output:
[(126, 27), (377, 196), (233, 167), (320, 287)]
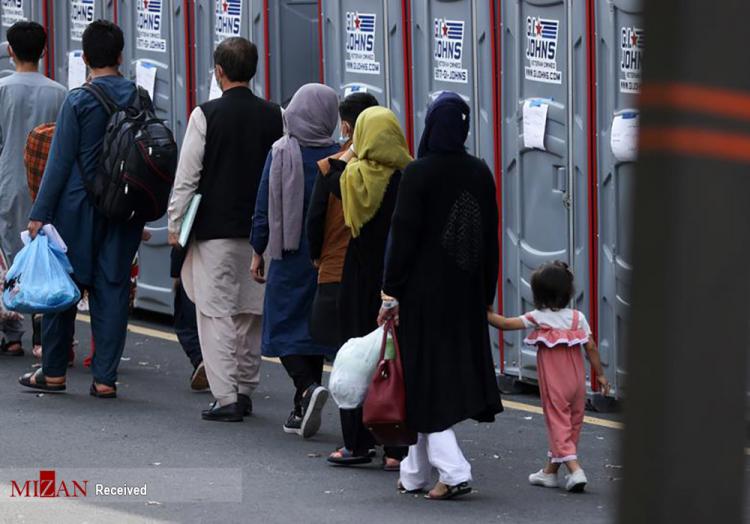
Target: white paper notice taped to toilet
[(534, 123), (624, 136), (145, 76), (214, 91), (76, 70)]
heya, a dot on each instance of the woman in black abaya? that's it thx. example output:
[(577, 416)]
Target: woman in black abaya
[(440, 278)]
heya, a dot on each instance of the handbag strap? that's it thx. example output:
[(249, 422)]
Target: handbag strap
[(390, 328)]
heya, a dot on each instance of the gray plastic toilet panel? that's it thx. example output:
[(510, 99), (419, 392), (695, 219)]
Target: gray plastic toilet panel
[(545, 192), (363, 50), (70, 18), (620, 43), (452, 51)]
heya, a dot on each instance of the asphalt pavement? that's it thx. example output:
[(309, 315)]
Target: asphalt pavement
[(252, 472)]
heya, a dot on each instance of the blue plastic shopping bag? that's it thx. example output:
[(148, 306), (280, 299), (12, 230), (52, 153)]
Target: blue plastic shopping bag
[(39, 280)]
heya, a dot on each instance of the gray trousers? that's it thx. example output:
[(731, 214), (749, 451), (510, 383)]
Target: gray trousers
[(231, 354), (12, 329)]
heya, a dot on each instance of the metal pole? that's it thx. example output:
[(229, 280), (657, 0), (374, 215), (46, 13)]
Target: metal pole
[(685, 427)]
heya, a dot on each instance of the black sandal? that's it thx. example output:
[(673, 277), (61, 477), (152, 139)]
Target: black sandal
[(453, 491), (102, 394), (6, 351), (40, 382), (348, 458)]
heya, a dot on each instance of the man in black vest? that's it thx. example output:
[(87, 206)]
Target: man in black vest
[(223, 154)]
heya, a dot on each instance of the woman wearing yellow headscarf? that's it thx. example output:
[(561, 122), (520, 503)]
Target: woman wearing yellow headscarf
[(381, 150), (366, 179)]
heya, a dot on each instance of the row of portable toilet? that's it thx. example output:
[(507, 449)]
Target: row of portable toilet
[(548, 82), (168, 50), (552, 85)]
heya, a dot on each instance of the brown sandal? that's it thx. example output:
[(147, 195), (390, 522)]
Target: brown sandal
[(40, 382), (6, 350), (102, 394), (451, 492)]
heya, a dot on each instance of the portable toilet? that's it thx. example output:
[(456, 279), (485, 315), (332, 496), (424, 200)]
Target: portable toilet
[(157, 57), (452, 50), (285, 32), (12, 11), (545, 184), (621, 40), (365, 48), (291, 44), (69, 19)]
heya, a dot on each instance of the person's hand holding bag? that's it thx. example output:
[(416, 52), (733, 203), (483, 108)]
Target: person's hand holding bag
[(389, 310)]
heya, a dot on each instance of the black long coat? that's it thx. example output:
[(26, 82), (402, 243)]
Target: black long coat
[(362, 277), (442, 266)]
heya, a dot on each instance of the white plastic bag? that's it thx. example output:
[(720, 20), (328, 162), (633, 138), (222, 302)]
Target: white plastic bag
[(353, 369)]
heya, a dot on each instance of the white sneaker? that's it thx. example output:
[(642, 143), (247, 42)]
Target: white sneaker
[(540, 478), (575, 482)]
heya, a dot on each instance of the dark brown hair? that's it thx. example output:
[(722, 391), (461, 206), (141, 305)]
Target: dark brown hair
[(238, 57), (27, 40), (103, 43), (552, 285)]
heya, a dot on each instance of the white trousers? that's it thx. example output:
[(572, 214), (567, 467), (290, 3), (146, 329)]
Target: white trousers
[(438, 451), (231, 354)]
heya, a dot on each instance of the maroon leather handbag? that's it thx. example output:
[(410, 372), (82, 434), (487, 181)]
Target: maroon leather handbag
[(384, 410)]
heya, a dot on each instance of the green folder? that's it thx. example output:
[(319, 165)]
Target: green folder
[(189, 219)]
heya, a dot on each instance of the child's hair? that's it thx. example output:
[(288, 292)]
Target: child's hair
[(552, 285)]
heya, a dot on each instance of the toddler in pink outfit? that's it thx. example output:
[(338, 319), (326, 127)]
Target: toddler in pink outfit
[(558, 333)]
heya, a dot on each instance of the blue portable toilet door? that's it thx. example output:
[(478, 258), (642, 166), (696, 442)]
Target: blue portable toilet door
[(155, 58), (544, 157), (12, 11), (621, 42), (70, 18)]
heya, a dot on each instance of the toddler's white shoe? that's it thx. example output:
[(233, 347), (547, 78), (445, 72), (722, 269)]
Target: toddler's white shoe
[(575, 482), (540, 478)]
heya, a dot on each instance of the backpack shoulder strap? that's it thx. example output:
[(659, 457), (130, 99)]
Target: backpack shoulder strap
[(102, 97)]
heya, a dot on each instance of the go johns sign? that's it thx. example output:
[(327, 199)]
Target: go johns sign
[(360, 43), (82, 13), (149, 26), (449, 51), (228, 19), (542, 51)]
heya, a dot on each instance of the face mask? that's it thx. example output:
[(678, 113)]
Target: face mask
[(342, 137)]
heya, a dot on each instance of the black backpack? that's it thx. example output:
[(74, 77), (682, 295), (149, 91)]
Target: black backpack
[(138, 162)]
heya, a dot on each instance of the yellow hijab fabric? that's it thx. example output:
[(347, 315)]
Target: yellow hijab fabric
[(381, 150)]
